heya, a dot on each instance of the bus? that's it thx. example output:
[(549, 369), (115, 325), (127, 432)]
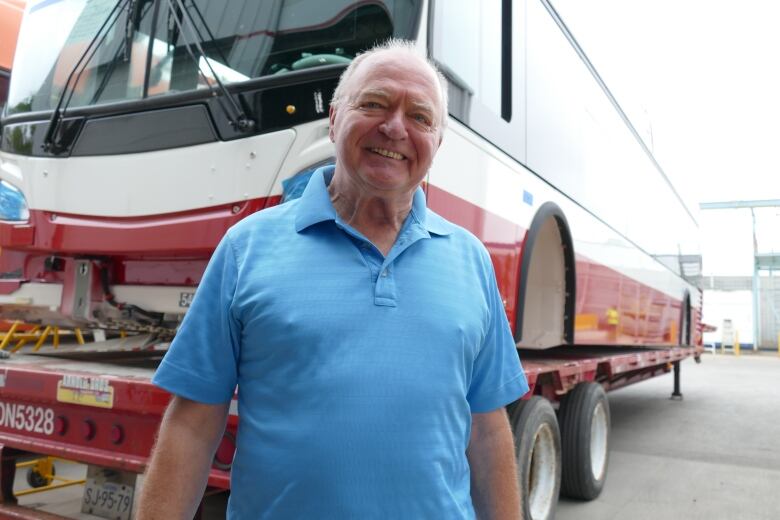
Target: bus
[(137, 132)]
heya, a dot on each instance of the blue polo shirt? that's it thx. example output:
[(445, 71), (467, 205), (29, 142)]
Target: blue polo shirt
[(357, 373)]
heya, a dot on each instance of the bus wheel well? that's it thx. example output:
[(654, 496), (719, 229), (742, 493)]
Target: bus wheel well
[(546, 293)]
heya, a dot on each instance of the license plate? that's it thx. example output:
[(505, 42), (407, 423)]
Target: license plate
[(108, 493), (185, 299)]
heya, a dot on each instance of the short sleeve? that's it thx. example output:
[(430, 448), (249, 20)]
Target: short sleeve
[(201, 363), (497, 378)]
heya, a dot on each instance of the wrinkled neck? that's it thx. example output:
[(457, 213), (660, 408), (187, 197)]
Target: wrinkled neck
[(377, 216)]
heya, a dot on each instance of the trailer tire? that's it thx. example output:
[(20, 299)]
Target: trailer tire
[(584, 421), (538, 454)]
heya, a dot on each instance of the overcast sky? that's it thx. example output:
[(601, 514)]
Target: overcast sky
[(702, 77)]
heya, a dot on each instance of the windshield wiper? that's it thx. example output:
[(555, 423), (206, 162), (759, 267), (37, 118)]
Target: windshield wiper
[(235, 115), (136, 13), (212, 40), (50, 145)]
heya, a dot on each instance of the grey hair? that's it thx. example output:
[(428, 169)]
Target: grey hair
[(393, 44)]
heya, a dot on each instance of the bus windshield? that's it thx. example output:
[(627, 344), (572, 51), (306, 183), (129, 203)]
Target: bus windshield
[(153, 47)]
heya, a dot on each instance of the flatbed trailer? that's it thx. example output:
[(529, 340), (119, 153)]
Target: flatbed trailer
[(225, 105), (95, 404), (552, 373)]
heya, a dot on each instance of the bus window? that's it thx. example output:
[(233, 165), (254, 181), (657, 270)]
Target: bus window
[(240, 40), (467, 43), (480, 48), (248, 39), (114, 72)]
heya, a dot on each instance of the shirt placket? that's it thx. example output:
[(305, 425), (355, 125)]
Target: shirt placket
[(382, 268), (385, 293)]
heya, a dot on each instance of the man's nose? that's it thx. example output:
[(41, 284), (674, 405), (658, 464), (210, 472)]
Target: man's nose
[(394, 125)]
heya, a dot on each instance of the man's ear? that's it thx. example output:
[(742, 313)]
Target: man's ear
[(332, 119)]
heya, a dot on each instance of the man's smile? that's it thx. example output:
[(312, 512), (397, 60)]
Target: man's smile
[(387, 153)]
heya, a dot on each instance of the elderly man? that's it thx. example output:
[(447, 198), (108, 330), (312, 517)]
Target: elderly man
[(365, 333)]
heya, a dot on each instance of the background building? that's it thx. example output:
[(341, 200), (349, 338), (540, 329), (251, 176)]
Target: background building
[(741, 249)]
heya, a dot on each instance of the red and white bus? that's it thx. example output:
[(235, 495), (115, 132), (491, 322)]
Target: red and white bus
[(137, 132)]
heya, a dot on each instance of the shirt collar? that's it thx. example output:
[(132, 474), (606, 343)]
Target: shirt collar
[(315, 206)]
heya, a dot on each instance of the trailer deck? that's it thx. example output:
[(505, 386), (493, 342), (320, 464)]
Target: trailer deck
[(95, 404), (553, 372)]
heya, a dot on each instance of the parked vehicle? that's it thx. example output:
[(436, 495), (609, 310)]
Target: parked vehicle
[(10, 18), (137, 132)]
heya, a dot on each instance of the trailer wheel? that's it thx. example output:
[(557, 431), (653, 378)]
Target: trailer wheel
[(538, 452), (584, 418)]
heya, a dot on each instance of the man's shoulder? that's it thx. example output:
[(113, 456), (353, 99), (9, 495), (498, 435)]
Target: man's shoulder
[(266, 222), (437, 224), (462, 244)]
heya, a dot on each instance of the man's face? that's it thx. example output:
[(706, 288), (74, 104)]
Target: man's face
[(387, 128)]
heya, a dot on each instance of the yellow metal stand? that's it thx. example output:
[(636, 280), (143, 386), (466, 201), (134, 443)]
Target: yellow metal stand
[(44, 467), (736, 343), (34, 335), (9, 335), (42, 339), (24, 338)]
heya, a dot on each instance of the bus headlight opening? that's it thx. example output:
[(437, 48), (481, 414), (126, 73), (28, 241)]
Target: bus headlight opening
[(13, 205)]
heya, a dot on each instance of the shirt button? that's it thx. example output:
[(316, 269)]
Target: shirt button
[(385, 273)]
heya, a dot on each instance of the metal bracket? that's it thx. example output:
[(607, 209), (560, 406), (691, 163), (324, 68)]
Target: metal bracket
[(82, 288)]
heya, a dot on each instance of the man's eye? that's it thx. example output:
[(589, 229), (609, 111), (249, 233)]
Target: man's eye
[(422, 119), (371, 104)]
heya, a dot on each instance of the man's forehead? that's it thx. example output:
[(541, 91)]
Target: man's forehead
[(390, 62), (377, 89), (379, 74)]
